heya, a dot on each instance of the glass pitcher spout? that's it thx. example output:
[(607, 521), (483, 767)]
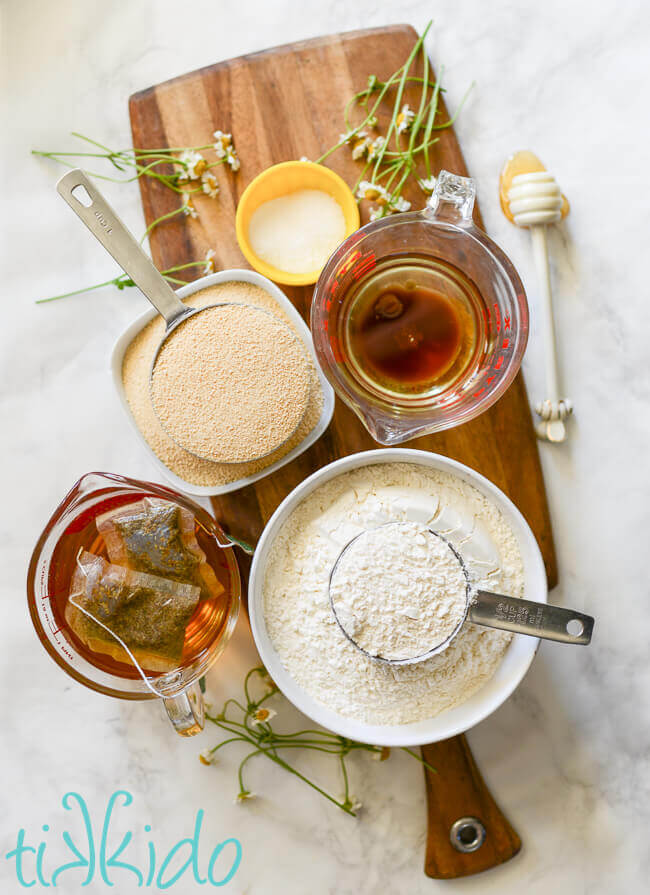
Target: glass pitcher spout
[(452, 199)]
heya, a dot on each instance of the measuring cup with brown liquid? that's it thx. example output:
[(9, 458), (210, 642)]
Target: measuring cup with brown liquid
[(419, 320), (74, 532)]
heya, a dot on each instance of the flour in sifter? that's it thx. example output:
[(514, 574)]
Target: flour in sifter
[(299, 619), (399, 591)]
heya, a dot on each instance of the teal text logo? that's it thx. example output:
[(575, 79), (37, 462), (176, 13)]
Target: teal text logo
[(93, 859)]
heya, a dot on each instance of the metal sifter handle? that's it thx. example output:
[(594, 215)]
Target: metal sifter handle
[(89, 204), (528, 617)]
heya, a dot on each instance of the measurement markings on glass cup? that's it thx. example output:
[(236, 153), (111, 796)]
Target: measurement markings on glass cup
[(50, 620)]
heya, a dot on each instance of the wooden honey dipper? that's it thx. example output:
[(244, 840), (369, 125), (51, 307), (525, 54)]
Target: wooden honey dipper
[(531, 197)]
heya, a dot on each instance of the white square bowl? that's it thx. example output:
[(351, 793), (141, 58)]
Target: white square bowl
[(225, 276)]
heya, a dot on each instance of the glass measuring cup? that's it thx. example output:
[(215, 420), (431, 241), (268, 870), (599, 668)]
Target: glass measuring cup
[(479, 606), (445, 248), (50, 570)]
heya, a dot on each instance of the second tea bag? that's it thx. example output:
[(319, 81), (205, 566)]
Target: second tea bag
[(157, 536), (110, 607)]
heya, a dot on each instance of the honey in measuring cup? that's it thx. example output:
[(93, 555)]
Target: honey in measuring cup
[(419, 319), (413, 327)]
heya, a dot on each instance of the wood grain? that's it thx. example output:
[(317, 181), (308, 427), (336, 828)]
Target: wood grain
[(279, 105), (458, 790)]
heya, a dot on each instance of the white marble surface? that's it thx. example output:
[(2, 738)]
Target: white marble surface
[(567, 755)]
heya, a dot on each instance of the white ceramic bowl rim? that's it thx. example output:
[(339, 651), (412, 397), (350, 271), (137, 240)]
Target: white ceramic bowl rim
[(225, 276), (488, 698)]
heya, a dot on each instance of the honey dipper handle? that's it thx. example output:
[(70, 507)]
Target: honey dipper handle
[(87, 202), (467, 833), (554, 409)]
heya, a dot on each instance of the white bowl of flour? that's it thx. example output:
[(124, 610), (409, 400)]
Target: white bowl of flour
[(303, 647)]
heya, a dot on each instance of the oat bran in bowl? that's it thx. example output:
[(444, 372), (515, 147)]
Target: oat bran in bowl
[(131, 363)]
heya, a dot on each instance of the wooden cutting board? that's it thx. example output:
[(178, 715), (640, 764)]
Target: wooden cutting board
[(282, 104)]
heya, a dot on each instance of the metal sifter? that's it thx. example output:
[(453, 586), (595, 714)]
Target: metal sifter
[(485, 608), (88, 203)]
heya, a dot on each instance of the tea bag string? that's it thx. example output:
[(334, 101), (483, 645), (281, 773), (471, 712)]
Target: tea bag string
[(112, 633)]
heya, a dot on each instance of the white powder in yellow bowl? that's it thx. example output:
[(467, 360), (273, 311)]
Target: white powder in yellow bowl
[(298, 232)]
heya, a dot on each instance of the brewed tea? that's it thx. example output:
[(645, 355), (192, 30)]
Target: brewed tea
[(206, 625)]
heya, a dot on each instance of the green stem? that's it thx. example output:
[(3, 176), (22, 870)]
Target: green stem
[(292, 770), (163, 217), (42, 301), (420, 759)]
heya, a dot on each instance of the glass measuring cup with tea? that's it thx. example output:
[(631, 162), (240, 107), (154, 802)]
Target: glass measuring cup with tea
[(419, 320), (134, 591)]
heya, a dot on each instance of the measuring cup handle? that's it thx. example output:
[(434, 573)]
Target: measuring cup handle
[(89, 204), (186, 710), (528, 617)]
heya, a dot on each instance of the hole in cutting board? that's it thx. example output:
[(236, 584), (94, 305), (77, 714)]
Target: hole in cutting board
[(468, 834)]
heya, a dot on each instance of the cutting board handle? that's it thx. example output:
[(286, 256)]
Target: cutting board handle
[(467, 833)]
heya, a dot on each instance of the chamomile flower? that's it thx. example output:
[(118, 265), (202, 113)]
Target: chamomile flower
[(207, 757), (351, 136), (244, 796), (427, 184), (360, 147), (192, 165), (210, 184), (222, 142), (210, 261), (232, 159), (405, 119), (373, 191), (397, 203), (261, 716), (375, 147), (188, 206)]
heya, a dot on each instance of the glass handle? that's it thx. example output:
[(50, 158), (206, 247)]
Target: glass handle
[(186, 710), (453, 198)]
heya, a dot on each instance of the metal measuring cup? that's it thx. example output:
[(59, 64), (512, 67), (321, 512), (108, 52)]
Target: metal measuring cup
[(489, 610), (88, 204)]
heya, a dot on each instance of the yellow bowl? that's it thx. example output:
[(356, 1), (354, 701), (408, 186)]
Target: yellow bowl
[(280, 180)]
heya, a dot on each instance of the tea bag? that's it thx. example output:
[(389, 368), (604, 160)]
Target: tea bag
[(148, 614), (157, 536)]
